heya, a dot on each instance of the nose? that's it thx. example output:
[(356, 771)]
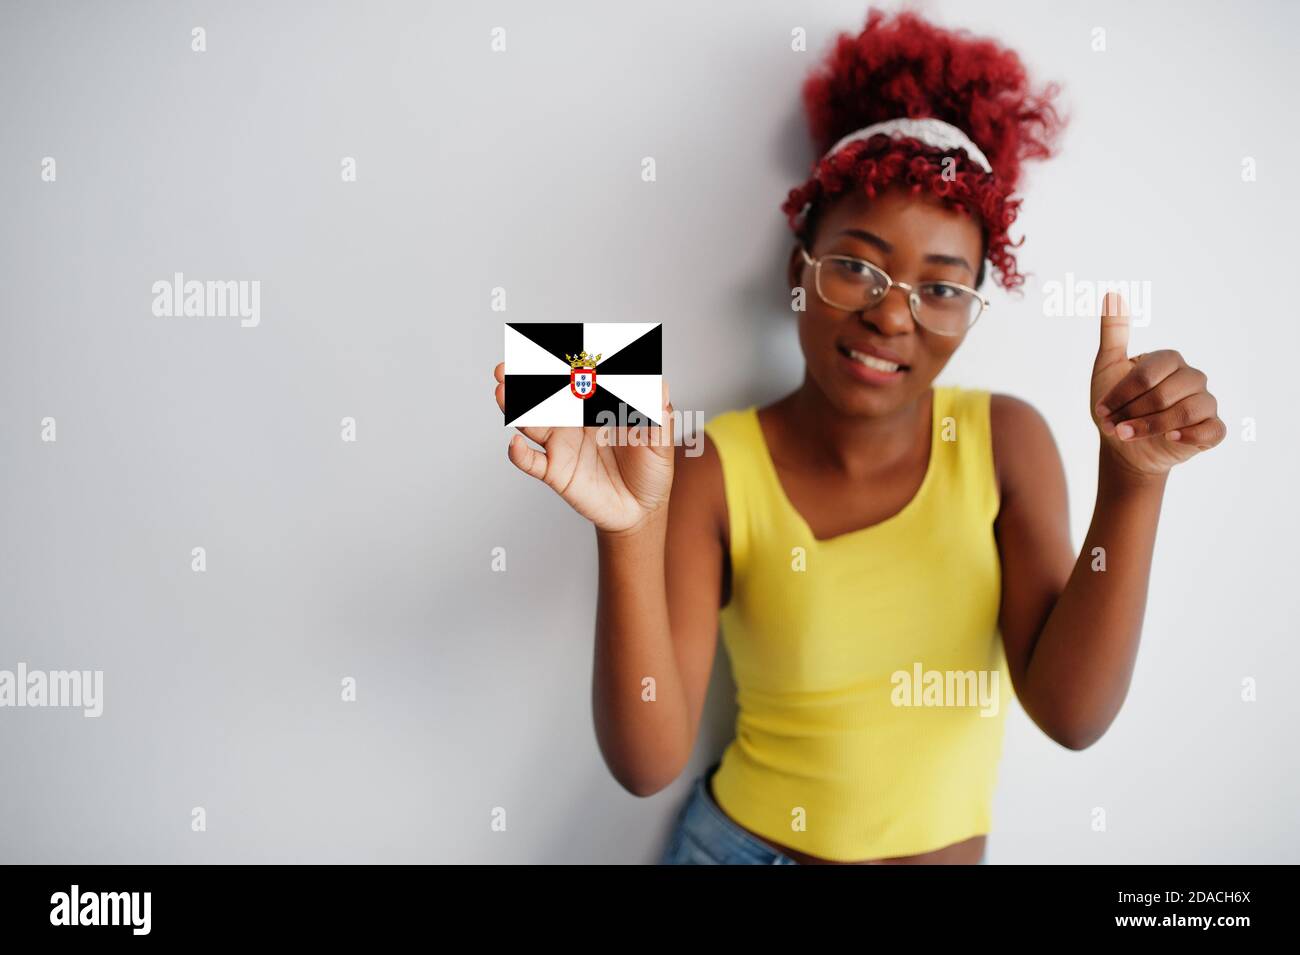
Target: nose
[(893, 316)]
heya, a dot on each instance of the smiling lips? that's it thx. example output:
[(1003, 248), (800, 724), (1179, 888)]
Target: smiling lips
[(873, 364)]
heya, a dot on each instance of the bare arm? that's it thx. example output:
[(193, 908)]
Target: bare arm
[(660, 524), (657, 620), (1070, 625)]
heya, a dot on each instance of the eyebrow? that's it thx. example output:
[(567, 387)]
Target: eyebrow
[(872, 239)]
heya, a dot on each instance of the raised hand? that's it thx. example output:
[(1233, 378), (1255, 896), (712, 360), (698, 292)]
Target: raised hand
[(615, 484), (1153, 410)]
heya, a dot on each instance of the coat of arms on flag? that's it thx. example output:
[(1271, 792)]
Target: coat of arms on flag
[(565, 374), (582, 380)]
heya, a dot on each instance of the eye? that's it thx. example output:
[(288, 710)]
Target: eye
[(854, 267), (942, 291)]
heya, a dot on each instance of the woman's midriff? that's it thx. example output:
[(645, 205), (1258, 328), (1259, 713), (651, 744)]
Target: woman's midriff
[(968, 852)]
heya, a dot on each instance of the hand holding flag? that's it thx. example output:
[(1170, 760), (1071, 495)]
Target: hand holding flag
[(615, 485)]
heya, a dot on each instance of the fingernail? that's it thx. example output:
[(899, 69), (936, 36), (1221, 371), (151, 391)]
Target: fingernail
[(1107, 426), (1102, 411), (1125, 430), (1174, 435)]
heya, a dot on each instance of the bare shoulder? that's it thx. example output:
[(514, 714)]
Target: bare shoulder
[(698, 491), (1023, 445), (699, 539), (1011, 412)]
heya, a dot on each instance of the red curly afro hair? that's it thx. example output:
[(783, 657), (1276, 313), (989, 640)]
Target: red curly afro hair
[(904, 66)]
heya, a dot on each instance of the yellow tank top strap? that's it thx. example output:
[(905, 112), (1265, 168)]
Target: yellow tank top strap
[(966, 427), (738, 441)]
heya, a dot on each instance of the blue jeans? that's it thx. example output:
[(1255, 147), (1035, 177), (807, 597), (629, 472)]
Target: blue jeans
[(705, 835)]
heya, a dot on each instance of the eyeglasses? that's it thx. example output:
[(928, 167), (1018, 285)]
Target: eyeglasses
[(855, 285)]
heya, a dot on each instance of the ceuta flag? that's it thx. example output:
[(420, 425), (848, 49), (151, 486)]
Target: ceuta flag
[(564, 374)]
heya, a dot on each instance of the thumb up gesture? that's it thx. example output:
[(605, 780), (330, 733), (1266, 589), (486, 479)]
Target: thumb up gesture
[(1153, 410)]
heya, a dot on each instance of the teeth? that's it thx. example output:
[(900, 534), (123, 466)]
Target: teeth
[(871, 361)]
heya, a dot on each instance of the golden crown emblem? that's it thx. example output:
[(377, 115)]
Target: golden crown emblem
[(582, 360)]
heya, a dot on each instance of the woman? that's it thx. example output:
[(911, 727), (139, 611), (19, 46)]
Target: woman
[(886, 555)]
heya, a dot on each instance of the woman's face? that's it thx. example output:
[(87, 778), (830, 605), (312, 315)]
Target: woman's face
[(914, 239)]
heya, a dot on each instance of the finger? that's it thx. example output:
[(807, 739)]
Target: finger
[(540, 435), (1184, 414), (499, 372), (663, 434), (532, 434), (1114, 332), (529, 460), (1149, 370), (1204, 434), (643, 433), (1183, 383)]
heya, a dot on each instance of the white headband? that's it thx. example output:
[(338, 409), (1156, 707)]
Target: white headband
[(932, 132)]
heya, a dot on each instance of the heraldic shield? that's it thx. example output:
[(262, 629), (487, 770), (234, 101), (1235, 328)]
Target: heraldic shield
[(582, 382)]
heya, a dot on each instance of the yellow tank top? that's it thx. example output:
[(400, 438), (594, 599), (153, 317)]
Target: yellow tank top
[(871, 680)]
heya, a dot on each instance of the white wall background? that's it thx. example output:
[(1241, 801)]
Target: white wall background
[(372, 559)]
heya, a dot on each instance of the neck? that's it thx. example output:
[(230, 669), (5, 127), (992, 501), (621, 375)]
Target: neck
[(820, 434)]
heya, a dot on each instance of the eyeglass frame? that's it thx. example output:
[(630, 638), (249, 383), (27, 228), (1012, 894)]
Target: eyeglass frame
[(912, 303)]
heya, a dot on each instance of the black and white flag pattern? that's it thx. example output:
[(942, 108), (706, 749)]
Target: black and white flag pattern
[(543, 389)]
